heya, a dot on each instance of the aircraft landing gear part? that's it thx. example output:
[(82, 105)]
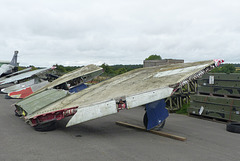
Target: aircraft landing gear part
[(233, 127), (158, 127), (16, 113), (49, 126)]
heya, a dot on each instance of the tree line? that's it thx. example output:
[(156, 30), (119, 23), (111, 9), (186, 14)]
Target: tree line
[(113, 70), (226, 68)]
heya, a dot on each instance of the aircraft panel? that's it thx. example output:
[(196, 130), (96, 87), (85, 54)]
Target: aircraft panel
[(132, 83)]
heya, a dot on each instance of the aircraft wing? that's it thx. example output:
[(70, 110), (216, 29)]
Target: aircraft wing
[(18, 86), (74, 78), (86, 73), (5, 69), (22, 76), (19, 72), (137, 87), (1, 71)]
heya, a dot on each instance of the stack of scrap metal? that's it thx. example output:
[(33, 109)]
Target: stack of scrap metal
[(218, 97)]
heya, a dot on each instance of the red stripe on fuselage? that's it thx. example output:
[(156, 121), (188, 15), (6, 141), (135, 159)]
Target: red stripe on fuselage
[(23, 93)]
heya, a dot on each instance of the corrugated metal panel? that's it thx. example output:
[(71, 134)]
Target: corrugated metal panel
[(41, 100)]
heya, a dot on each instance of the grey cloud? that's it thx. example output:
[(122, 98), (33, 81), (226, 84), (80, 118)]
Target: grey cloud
[(118, 32)]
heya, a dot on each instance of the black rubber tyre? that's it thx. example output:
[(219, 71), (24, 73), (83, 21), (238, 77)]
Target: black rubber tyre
[(160, 126), (145, 122), (50, 126), (16, 114), (233, 127)]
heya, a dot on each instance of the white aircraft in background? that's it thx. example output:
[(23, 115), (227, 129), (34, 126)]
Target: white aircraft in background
[(24, 76), (6, 69)]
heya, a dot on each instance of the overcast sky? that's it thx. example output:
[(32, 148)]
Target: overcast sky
[(81, 32)]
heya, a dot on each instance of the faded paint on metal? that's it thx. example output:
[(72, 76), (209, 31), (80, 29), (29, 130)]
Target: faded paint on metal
[(23, 93), (88, 72), (22, 76), (37, 102), (38, 97), (128, 84), (18, 87), (92, 112), (182, 70), (148, 97), (16, 73)]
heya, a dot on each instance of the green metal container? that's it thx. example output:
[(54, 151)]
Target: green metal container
[(218, 96)]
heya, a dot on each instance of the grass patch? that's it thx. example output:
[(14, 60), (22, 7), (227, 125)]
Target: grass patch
[(183, 110)]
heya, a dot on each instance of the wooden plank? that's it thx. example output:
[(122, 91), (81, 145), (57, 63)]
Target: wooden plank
[(161, 133)]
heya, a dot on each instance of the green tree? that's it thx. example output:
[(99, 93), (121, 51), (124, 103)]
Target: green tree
[(33, 67), (121, 71), (227, 68), (108, 69), (60, 68), (154, 57)]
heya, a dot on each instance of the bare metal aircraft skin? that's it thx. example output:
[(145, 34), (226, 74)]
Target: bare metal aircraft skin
[(6, 69), (24, 89), (23, 76), (138, 87), (75, 77), (69, 83), (16, 73)]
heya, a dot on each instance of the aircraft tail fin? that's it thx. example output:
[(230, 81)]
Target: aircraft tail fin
[(14, 59)]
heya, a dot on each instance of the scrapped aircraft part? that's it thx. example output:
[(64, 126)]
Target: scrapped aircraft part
[(218, 62), (16, 73), (37, 102), (133, 83), (18, 87), (103, 109), (75, 77), (181, 70), (148, 97), (49, 126), (43, 96), (6, 69), (155, 115), (92, 112), (51, 116), (22, 76), (17, 113), (78, 88), (25, 92), (21, 94), (100, 99), (157, 128)]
